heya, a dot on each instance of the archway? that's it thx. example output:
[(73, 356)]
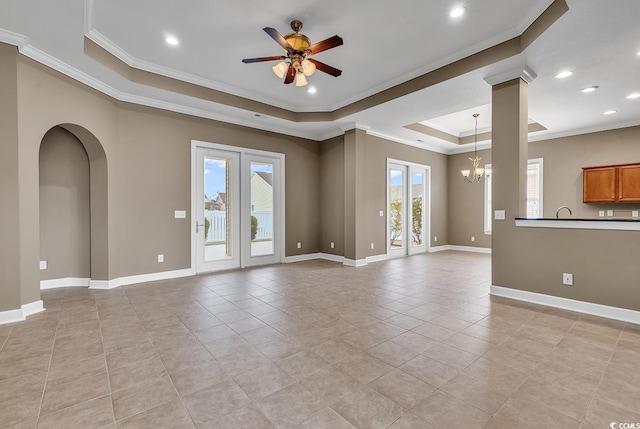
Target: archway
[(73, 207)]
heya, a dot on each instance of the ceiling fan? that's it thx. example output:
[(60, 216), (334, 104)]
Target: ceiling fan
[(297, 62)]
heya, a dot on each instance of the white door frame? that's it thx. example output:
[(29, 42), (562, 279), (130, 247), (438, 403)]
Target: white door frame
[(426, 221), (279, 221)]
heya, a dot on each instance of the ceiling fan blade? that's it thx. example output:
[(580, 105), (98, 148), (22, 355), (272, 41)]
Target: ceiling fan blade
[(278, 38), (326, 68), (329, 43), (291, 74), (257, 60)]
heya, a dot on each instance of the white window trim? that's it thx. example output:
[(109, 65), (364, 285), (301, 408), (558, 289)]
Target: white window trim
[(488, 216)]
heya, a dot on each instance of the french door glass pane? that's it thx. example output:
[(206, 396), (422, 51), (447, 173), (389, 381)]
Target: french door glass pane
[(217, 209), (417, 203), (396, 208), (261, 209)]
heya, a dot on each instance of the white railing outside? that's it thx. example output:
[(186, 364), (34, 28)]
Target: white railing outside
[(218, 225)]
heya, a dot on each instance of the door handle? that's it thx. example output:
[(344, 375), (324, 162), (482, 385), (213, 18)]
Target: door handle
[(198, 226)]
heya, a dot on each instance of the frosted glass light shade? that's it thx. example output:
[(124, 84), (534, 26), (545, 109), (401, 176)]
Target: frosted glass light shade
[(308, 67), (280, 69), (465, 173), (300, 79)]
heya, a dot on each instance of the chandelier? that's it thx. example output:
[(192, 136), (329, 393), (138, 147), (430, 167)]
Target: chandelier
[(477, 174)]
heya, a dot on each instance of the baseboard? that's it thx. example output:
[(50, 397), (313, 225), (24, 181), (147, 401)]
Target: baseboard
[(64, 282), (355, 262), (141, 278), (33, 308), (460, 248), (20, 314), (376, 258), (300, 258), (600, 310)]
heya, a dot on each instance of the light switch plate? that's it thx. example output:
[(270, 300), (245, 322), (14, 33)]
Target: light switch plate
[(634, 213), (499, 215), (180, 214), (601, 213), (609, 213), (160, 258), (299, 245), (381, 213), (43, 265), (567, 279)]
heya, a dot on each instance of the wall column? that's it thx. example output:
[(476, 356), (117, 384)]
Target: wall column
[(509, 146), (354, 198)]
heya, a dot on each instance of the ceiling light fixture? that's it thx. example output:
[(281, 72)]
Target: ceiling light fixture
[(633, 96), (589, 89), (563, 74), (171, 40), (610, 112), (478, 172), (457, 12), (312, 90), (297, 64)]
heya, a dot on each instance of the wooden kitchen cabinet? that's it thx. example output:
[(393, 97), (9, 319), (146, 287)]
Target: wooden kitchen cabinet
[(611, 184)]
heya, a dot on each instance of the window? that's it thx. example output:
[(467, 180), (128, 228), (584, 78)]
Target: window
[(534, 192)]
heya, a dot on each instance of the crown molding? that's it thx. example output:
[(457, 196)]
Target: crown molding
[(523, 72)]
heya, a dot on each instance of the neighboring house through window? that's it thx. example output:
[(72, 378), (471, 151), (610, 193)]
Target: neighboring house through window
[(534, 192)]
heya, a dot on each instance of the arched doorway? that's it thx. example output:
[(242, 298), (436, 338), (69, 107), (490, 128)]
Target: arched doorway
[(73, 208)]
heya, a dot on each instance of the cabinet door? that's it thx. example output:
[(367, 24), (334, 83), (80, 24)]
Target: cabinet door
[(599, 185), (629, 184)]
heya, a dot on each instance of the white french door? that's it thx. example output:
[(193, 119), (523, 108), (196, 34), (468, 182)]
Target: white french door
[(408, 206), (238, 207)]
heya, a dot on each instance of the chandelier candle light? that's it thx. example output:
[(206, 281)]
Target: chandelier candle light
[(478, 172)]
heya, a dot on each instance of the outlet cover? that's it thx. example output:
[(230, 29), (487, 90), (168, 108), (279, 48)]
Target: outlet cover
[(601, 213), (43, 265), (180, 214), (372, 245), (435, 238), (473, 239), (634, 213), (299, 245), (499, 215), (567, 279), (381, 213), (160, 258), (610, 213), (333, 245)]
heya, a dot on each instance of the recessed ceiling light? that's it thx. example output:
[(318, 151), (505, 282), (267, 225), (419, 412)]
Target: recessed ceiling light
[(589, 89), (610, 112), (564, 74), (633, 95), (459, 11), (312, 90), (171, 40)]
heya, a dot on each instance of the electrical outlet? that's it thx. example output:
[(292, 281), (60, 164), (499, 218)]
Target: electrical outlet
[(567, 279), (601, 213), (610, 213), (372, 246), (473, 239), (381, 213), (634, 213), (333, 245), (43, 265), (299, 245), (499, 215), (160, 258), (435, 238)]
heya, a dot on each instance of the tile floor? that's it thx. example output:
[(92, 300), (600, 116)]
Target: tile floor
[(407, 343)]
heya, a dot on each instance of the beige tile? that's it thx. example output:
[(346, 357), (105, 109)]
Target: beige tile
[(326, 419), (362, 339), (249, 417), (192, 379), (402, 388), (290, 406), (95, 413), (434, 332), (239, 362), (404, 321), (73, 371), (481, 394), (19, 409), (170, 415), (301, 364), (392, 353), (330, 385), (496, 373), (29, 383), (601, 414), (451, 356), (130, 356), (215, 401), (416, 342), (520, 411), (445, 411), (143, 396), (429, 370), (410, 421), (469, 344), (333, 351), (263, 381), (368, 409), (363, 367), (66, 395), (127, 376)]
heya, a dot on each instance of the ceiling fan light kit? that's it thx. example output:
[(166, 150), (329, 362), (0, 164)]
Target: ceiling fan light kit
[(297, 64)]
